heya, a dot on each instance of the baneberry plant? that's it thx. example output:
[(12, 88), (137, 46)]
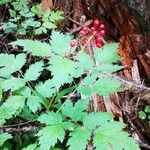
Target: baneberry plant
[(63, 122)]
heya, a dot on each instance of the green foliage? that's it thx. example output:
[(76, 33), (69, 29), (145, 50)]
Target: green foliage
[(30, 147), (24, 20), (10, 63), (145, 113), (4, 137), (106, 132), (2, 2), (11, 107), (111, 134), (62, 47), (37, 48), (36, 91), (34, 71)]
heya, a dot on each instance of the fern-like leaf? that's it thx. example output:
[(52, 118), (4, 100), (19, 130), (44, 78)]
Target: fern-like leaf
[(63, 67), (34, 71), (63, 45), (78, 139), (76, 112), (10, 63), (49, 135), (12, 106), (12, 84), (106, 86), (50, 118), (110, 135), (34, 103), (37, 48), (107, 54)]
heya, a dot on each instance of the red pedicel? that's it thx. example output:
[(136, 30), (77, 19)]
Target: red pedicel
[(72, 43), (102, 33)]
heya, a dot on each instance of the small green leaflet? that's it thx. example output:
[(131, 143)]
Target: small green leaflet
[(106, 86), (45, 89), (78, 139), (64, 92), (93, 120), (49, 25), (10, 63), (110, 135), (37, 48), (34, 103), (30, 147), (12, 84), (109, 68), (84, 63), (55, 16), (11, 107), (50, 118), (49, 135), (76, 112), (4, 137), (61, 43), (62, 70), (24, 91), (107, 54), (34, 71)]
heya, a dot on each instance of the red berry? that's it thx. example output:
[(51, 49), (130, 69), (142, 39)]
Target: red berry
[(83, 33), (102, 26), (102, 33), (99, 45), (98, 40), (96, 23), (84, 28), (93, 29), (72, 43)]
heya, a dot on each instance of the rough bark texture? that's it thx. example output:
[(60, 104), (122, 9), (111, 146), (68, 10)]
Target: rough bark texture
[(141, 10)]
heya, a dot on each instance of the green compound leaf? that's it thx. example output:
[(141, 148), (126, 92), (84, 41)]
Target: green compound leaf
[(106, 86), (49, 135), (50, 118), (34, 71), (78, 139), (10, 63), (110, 135), (62, 70), (37, 48), (107, 54), (63, 46), (75, 112), (4, 137), (11, 107)]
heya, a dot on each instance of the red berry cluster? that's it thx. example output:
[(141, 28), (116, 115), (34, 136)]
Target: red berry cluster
[(97, 30)]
